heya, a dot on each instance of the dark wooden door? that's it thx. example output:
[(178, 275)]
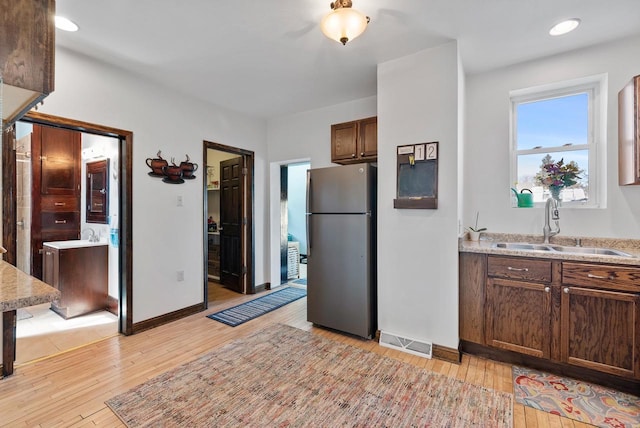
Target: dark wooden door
[(519, 316), (55, 191), (368, 136), (600, 330), (231, 222), (344, 141)]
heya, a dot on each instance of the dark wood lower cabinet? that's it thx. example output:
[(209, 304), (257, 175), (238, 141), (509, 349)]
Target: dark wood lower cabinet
[(576, 319), (81, 275), (601, 330), (518, 316)]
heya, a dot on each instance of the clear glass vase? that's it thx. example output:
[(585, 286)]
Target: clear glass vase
[(555, 192)]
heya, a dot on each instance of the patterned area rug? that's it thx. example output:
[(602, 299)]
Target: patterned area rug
[(253, 309), (301, 281), (288, 377), (574, 399)]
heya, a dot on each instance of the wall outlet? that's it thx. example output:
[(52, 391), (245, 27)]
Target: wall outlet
[(180, 275), (179, 201)]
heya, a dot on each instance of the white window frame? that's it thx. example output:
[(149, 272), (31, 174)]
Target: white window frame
[(596, 88)]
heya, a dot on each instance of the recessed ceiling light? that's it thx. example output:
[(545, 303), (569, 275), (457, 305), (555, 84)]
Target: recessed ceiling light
[(564, 27), (65, 24)]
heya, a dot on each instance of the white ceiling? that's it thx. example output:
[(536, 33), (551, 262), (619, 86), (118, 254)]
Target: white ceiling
[(268, 58)]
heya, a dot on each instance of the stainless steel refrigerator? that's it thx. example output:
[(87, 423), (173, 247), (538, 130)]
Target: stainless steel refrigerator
[(341, 248)]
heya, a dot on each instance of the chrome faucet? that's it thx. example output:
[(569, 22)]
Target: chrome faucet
[(551, 213), (93, 237)]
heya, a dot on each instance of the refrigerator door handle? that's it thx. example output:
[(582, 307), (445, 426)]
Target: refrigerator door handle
[(308, 213), (309, 246)]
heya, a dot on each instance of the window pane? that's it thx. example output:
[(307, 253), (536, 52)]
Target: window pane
[(530, 165), (553, 122)]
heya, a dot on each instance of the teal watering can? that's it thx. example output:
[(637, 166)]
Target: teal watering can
[(525, 200)]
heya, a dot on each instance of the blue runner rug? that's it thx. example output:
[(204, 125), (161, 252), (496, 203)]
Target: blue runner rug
[(253, 309)]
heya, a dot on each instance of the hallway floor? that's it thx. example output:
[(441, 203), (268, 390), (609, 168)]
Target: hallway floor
[(42, 333)]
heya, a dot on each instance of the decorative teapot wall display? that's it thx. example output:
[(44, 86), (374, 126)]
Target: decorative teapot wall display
[(171, 173), (525, 200)]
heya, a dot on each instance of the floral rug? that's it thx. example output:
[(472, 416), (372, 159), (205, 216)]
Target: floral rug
[(286, 377), (576, 400)]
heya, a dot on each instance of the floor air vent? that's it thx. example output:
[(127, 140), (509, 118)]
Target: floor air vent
[(412, 346)]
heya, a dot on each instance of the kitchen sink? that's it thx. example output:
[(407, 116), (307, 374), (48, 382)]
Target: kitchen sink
[(590, 250), (561, 249), (520, 246)]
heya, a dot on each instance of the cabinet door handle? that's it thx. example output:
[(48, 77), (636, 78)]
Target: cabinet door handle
[(59, 204), (362, 154), (353, 155), (517, 269), (61, 221), (566, 290), (547, 289), (590, 275)]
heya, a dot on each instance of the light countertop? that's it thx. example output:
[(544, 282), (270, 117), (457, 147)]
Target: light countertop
[(485, 246), (75, 243), (19, 290)]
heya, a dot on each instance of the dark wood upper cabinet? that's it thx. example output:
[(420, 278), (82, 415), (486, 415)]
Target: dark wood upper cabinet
[(27, 50), (55, 193), (629, 133), (355, 141), (97, 191)]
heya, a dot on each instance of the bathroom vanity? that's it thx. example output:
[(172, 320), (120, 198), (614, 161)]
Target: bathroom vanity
[(79, 269)]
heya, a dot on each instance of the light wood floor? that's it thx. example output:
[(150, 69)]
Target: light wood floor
[(46, 333), (69, 389)]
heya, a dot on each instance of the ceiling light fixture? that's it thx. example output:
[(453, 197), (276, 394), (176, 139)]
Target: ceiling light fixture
[(65, 24), (343, 23), (564, 27)]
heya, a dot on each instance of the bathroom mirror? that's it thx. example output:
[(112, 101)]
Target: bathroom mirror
[(97, 191)]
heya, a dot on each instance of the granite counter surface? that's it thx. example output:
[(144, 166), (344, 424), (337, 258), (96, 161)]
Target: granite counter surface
[(19, 290), (485, 246)]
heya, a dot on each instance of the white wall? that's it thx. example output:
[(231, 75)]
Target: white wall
[(417, 249), (302, 137), (486, 172), (297, 203), (166, 238)]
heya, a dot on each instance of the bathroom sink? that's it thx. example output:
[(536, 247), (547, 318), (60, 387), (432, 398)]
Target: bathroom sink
[(521, 246), (590, 250), (75, 243)]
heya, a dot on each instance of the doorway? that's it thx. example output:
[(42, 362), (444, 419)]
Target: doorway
[(67, 209), (293, 223), (17, 157), (228, 213)]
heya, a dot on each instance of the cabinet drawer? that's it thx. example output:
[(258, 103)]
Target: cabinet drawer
[(60, 221), (59, 203), (519, 268), (601, 276)]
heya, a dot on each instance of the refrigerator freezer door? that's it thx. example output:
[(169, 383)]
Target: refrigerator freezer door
[(341, 189), (339, 274)]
